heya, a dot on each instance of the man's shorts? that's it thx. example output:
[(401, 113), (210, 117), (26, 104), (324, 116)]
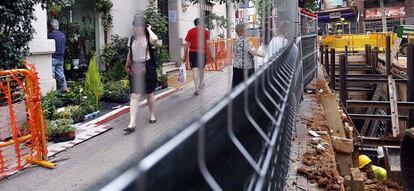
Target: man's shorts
[(196, 61)]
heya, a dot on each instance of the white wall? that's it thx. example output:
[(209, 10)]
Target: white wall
[(41, 50), (123, 13)]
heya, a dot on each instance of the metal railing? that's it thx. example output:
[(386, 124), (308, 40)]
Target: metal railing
[(242, 143)]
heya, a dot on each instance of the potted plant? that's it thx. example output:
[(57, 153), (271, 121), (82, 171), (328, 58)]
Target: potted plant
[(72, 112), (163, 81), (68, 65), (61, 130), (75, 49)]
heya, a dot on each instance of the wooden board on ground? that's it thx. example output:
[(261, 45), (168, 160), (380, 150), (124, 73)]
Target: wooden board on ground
[(330, 106)]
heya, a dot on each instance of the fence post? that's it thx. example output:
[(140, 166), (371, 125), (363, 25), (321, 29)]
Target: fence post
[(327, 60), (332, 69), (321, 52), (410, 83), (374, 60), (342, 77), (388, 55), (366, 54)]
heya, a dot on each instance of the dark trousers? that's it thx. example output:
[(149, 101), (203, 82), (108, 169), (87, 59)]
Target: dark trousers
[(238, 76)]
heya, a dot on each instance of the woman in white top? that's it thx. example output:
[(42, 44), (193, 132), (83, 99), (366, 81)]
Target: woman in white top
[(142, 70)]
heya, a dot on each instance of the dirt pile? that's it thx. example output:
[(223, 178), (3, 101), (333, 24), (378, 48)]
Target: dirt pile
[(373, 185), (319, 170)]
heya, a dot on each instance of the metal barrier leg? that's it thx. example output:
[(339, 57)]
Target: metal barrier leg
[(410, 83), (202, 161)]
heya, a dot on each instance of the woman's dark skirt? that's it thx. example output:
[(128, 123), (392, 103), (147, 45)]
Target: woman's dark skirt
[(143, 81), (238, 76)]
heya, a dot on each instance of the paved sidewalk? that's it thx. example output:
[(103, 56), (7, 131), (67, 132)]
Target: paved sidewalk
[(96, 159)]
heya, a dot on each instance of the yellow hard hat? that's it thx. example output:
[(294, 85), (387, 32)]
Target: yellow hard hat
[(363, 160)]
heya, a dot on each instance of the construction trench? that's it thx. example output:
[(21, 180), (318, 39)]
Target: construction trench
[(360, 102)]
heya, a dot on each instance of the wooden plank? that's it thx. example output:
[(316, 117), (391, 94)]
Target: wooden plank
[(393, 106), (330, 106)]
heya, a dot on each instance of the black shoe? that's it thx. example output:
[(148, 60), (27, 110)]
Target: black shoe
[(152, 121), (129, 129)]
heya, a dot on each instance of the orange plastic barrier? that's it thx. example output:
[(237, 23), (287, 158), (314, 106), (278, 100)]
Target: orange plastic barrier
[(222, 50), (22, 126)]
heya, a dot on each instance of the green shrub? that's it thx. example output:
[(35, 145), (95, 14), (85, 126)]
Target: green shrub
[(116, 92), (72, 112), (59, 127), (16, 31), (50, 103), (94, 88), (113, 56)]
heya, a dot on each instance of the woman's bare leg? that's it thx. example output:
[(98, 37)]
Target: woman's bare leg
[(133, 110), (151, 101)]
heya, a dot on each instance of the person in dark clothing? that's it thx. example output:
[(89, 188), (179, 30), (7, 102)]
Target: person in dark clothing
[(58, 56), (244, 53)]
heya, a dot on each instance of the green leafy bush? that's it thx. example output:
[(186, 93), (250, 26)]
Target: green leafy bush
[(154, 17), (59, 127), (16, 31), (94, 88), (162, 55), (72, 112), (50, 103), (116, 92), (113, 56)]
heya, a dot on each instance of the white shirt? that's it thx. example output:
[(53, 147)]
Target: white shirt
[(275, 46), (140, 51)]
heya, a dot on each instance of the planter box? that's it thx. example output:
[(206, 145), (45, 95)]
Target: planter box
[(64, 137), (20, 114)]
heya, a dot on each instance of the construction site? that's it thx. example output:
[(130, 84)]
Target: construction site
[(361, 103)]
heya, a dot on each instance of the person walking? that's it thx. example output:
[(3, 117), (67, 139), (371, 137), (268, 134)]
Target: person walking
[(58, 56), (244, 53), (197, 49), (141, 68)]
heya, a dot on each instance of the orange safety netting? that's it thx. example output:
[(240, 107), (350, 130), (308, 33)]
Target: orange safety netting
[(222, 51), (22, 127)]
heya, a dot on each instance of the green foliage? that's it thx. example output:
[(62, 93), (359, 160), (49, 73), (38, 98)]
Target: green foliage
[(113, 56), (116, 92), (162, 55), (59, 127), (214, 21), (162, 79), (72, 112), (50, 103), (16, 31), (310, 5), (154, 17), (94, 88), (55, 6), (103, 6)]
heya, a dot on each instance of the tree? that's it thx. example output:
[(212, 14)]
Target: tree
[(310, 5), (16, 31)]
